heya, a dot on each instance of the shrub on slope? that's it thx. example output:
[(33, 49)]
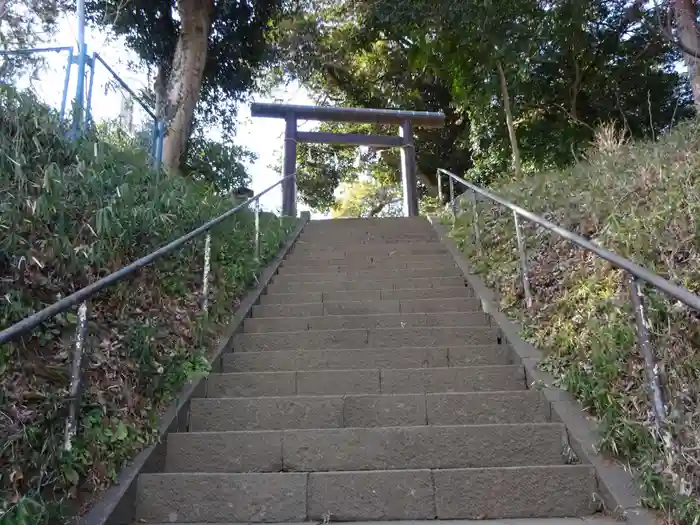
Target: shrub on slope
[(641, 201), (70, 213)]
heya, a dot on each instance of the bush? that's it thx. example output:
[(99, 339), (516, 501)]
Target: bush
[(71, 213), (639, 200)]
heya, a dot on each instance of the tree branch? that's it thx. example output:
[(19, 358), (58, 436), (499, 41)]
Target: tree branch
[(666, 30)]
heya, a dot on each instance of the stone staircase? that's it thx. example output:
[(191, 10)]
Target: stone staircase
[(368, 385)]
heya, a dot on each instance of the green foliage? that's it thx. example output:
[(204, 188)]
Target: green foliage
[(23, 25), (637, 200), (71, 213), (569, 67), (368, 198), (218, 164), (239, 45)]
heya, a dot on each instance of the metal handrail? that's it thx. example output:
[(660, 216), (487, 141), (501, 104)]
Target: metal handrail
[(125, 86), (29, 323), (636, 274), (82, 296), (677, 292)]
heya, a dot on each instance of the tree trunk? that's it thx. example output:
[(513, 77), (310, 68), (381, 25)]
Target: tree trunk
[(4, 8), (509, 122), (185, 81), (686, 19)]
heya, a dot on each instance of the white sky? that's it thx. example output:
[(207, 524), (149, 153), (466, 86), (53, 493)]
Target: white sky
[(263, 136)]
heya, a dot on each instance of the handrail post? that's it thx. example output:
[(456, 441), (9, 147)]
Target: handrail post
[(289, 184), (88, 101), (66, 84), (205, 273), (453, 203), (523, 261), (257, 230), (439, 188), (408, 170), (653, 374), (477, 231), (76, 372)]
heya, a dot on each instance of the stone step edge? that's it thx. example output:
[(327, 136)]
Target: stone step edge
[(438, 482), (475, 347), (449, 287), (554, 425), (337, 298), (476, 305), (358, 330), (594, 519), (315, 318), (376, 315), (303, 397), (358, 370)]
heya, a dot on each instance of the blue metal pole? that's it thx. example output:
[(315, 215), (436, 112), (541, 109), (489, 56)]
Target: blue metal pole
[(88, 103), (159, 150), (80, 87), (66, 83)]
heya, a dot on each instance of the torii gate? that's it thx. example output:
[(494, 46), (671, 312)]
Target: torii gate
[(404, 119)]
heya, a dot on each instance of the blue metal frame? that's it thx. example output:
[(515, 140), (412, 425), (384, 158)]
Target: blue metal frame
[(91, 82), (35, 50), (82, 109), (66, 83), (126, 87)]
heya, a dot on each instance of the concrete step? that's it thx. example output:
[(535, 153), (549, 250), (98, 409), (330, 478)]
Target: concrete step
[(368, 275), (361, 260), (366, 358), (345, 247), (374, 410), (398, 283), (396, 265), (456, 304), (342, 322), (379, 448), (366, 381), (341, 240), (367, 296), (596, 519), (502, 492), (366, 338)]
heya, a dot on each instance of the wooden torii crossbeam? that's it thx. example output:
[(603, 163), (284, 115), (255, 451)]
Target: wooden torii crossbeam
[(404, 119)]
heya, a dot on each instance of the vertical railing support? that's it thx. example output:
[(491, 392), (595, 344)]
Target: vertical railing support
[(289, 184), (257, 230), (653, 374), (408, 170), (476, 228), (439, 188), (76, 372), (78, 114), (159, 143), (453, 202), (91, 81), (523, 261), (205, 273), (66, 85)]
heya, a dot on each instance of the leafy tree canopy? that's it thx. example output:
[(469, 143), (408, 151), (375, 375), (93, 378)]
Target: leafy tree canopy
[(238, 44), (569, 66), (25, 24)]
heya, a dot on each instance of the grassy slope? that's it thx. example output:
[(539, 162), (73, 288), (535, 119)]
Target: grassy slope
[(642, 201), (69, 214)]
